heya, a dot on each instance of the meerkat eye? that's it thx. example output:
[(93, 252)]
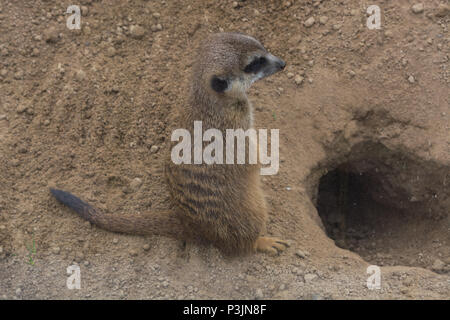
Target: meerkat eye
[(255, 65)]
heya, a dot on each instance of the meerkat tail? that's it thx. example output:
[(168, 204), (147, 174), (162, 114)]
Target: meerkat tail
[(156, 223)]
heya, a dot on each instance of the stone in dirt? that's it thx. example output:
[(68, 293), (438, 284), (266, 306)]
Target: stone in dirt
[(309, 23), (443, 10), (417, 8), (137, 32)]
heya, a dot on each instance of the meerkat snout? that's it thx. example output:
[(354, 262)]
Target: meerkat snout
[(259, 66), (279, 63), (262, 66)]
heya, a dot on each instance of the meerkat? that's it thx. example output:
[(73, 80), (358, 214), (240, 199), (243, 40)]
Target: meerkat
[(221, 204)]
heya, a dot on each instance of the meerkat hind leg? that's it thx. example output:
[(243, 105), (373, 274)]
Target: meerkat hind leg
[(270, 245)]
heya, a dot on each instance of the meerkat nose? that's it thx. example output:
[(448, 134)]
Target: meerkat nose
[(281, 64)]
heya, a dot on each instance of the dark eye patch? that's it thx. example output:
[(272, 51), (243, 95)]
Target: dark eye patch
[(219, 85), (255, 65)]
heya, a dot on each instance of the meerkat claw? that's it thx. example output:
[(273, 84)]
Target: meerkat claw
[(272, 246)]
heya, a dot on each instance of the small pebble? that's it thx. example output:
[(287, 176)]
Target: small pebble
[(18, 75), (298, 79), (137, 32), (323, 19), (80, 75), (157, 27), (438, 266), (136, 183), (111, 52), (443, 10), (417, 8), (154, 149), (84, 11), (35, 52), (301, 254), (309, 22), (51, 35), (22, 108)]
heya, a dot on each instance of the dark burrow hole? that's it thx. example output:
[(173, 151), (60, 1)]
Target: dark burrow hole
[(379, 232)]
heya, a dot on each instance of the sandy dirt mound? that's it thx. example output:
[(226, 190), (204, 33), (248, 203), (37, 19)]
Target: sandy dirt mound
[(364, 146)]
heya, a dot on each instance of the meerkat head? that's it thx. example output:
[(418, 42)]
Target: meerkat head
[(229, 63)]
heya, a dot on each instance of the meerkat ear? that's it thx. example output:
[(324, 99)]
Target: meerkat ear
[(218, 84)]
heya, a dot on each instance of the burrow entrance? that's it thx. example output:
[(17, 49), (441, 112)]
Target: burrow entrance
[(388, 208)]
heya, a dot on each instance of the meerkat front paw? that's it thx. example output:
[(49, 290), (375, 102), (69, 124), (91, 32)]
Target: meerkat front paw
[(272, 246)]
